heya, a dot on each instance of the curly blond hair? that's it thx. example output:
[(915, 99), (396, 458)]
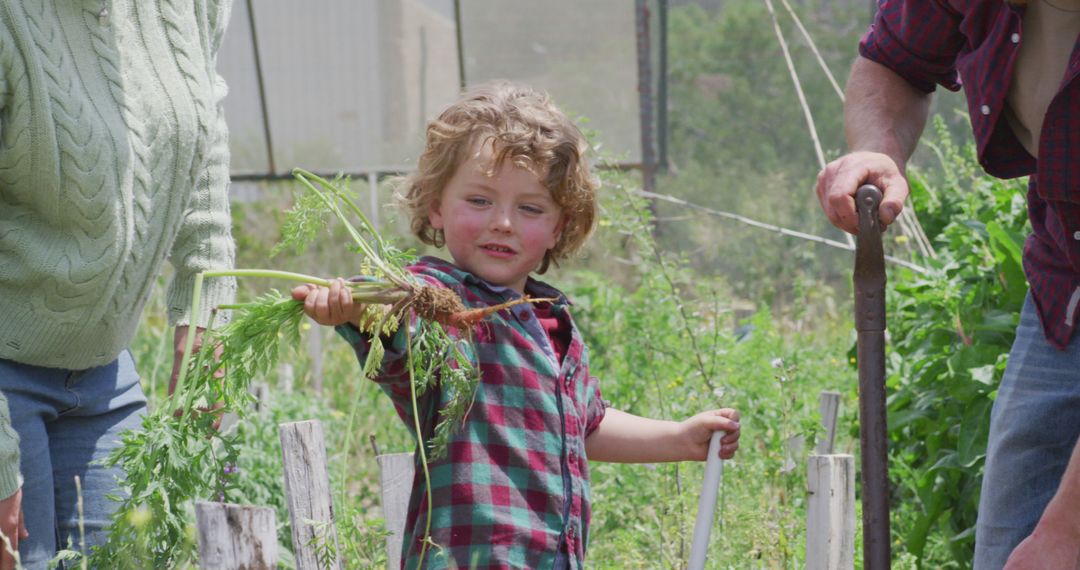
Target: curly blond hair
[(525, 127)]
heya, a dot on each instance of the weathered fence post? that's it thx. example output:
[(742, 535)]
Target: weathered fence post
[(830, 513), (830, 408), (307, 487), (396, 471), (236, 536)]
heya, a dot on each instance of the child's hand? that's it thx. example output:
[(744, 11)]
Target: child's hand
[(330, 306), (697, 431)]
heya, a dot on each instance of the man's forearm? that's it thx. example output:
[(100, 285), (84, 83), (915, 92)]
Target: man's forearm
[(883, 112)]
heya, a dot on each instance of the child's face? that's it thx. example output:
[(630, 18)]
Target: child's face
[(497, 227)]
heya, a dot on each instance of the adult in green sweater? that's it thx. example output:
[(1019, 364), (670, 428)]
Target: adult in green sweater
[(113, 159)]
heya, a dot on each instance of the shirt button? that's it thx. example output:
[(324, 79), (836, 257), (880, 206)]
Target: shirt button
[(103, 15), (1015, 38), (1076, 236), (571, 456), (985, 109)]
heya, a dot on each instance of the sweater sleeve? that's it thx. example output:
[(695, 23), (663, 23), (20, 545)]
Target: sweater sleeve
[(9, 453), (205, 239)]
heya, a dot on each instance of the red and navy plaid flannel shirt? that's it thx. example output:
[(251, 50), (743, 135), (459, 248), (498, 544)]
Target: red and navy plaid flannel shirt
[(973, 43), (513, 489)]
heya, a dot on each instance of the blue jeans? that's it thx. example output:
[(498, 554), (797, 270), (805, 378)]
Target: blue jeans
[(67, 420), (1033, 428)]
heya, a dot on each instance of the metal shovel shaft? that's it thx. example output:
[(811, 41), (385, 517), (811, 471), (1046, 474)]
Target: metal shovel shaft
[(714, 468), (869, 281)]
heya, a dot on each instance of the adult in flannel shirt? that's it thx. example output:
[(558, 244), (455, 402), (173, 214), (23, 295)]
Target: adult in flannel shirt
[(1018, 64), (503, 185)]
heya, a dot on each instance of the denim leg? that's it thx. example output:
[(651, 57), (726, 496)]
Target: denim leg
[(1033, 427), (32, 406), (110, 401), (66, 421)]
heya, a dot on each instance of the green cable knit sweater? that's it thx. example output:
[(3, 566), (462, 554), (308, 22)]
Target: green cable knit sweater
[(113, 158)]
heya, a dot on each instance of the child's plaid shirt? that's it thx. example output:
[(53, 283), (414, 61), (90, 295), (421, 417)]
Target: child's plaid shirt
[(513, 488)]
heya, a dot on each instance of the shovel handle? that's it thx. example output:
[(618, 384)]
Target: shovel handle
[(869, 282), (869, 277)]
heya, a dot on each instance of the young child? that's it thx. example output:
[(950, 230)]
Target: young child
[(503, 184)]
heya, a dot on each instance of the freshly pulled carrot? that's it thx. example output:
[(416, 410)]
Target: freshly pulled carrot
[(443, 306), (466, 319)]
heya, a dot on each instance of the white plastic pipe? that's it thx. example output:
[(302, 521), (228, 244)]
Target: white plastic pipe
[(714, 468)]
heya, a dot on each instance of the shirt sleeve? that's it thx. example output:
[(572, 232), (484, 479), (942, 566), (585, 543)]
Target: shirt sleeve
[(205, 239), (9, 453), (918, 40), (596, 407)]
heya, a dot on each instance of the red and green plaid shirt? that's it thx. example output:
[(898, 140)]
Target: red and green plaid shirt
[(973, 43), (513, 489)]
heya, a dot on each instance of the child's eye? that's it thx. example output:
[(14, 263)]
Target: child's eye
[(530, 209), (478, 201)]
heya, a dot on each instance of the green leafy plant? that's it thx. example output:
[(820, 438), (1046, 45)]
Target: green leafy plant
[(666, 343), (950, 332)]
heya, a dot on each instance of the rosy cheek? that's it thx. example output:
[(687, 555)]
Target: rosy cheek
[(469, 226), (539, 236)]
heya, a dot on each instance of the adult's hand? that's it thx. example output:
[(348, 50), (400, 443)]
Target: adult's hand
[(12, 527), (841, 178), (1046, 548), (883, 119), (180, 336)]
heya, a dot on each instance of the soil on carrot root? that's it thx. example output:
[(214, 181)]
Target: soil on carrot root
[(434, 304)]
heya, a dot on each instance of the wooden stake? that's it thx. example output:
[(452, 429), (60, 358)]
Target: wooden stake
[(396, 472), (307, 487), (830, 408), (830, 512), (236, 536)]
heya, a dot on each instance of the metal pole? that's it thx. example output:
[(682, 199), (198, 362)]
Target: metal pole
[(645, 98), (662, 91), (262, 89), (460, 45), (869, 280), (645, 104)]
